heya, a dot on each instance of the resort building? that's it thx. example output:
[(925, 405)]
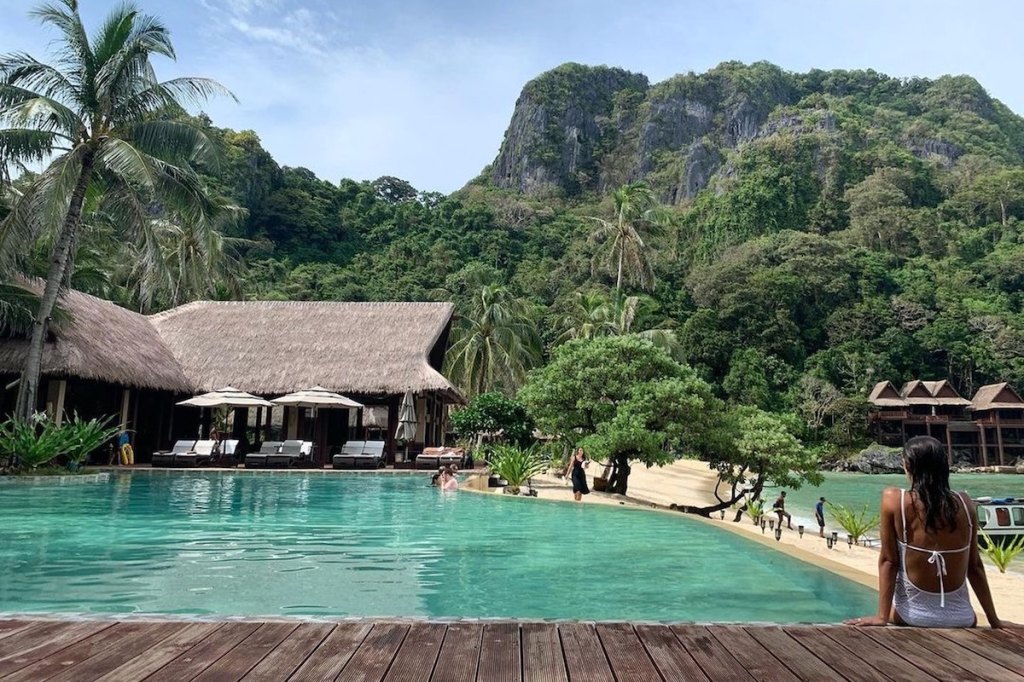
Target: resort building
[(989, 429), (101, 359)]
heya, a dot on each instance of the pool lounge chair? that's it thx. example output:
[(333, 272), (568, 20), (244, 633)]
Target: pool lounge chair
[(289, 454), (255, 460), (226, 457), (165, 458), (201, 454), (432, 458), (360, 455)]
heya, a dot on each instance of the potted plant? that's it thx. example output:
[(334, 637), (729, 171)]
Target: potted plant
[(515, 466)]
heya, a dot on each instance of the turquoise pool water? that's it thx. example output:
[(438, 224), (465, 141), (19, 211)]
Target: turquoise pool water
[(859, 489), (218, 544)]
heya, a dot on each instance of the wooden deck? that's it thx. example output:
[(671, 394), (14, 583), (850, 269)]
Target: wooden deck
[(499, 651)]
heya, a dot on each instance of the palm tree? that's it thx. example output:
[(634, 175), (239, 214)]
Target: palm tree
[(99, 116), (494, 344), (587, 317), (622, 240)]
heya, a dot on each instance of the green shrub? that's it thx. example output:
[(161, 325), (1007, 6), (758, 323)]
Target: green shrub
[(756, 510), (1001, 553), (38, 441), (516, 465), (855, 523)]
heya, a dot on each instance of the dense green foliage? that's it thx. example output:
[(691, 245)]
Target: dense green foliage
[(27, 444), (495, 414), (515, 464), (865, 228)]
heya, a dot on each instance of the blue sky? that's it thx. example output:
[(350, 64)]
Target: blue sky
[(424, 89)]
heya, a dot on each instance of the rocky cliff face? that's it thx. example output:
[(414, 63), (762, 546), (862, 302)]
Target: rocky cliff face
[(580, 129)]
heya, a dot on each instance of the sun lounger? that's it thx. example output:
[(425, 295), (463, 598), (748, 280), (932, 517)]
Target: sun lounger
[(432, 458), (290, 453), (165, 458), (360, 455), (202, 453), (254, 460)]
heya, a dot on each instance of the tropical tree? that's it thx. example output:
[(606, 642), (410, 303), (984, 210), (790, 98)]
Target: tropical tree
[(622, 240), (494, 343), (101, 118)]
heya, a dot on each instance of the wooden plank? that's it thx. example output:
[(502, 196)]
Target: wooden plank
[(42, 640), (460, 653), (161, 654), (585, 659), (204, 654), (669, 654), (838, 657), (755, 659), (372, 659), (245, 655), (113, 657), (917, 658), (542, 653), (962, 656), (1001, 638), (415, 660), (500, 656), (292, 652), (716, 660), (866, 649), (328, 659), (626, 655), (81, 650), (793, 655), (13, 625), (974, 641)]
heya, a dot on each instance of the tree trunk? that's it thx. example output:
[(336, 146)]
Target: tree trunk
[(618, 278), (28, 389), (619, 479), (755, 493)]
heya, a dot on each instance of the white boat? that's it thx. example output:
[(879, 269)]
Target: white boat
[(1002, 518)]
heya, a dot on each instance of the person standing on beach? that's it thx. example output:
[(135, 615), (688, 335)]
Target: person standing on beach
[(578, 475), (819, 516), (779, 507)]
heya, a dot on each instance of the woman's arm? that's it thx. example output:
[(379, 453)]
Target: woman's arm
[(976, 569), (887, 560)]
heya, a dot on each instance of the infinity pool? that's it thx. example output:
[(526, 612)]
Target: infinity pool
[(226, 544)]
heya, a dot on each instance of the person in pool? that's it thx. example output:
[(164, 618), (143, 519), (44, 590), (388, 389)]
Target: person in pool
[(929, 549), (436, 477), (448, 480)]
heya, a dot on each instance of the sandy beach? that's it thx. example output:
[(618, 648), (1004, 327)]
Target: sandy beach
[(692, 482)]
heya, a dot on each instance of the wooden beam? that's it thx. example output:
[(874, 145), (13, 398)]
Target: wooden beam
[(984, 446), (949, 445), (999, 441), (126, 399)]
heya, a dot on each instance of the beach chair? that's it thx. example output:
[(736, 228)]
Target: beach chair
[(430, 458), (201, 454), (456, 456), (165, 458), (226, 457), (346, 459), (255, 460), (290, 452), (372, 456)]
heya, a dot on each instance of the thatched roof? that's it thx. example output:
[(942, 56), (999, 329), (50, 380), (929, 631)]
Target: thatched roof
[(997, 397), (884, 394), (919, 392), (275, 347), (101, 341)]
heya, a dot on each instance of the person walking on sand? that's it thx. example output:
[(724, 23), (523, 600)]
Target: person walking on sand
[(779, 507), (929, 549), (578, 475), (819, 516)]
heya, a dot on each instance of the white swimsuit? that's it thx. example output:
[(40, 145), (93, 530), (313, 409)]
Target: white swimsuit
[(922, 608)]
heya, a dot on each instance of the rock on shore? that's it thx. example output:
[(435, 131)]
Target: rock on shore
[(874, 459)]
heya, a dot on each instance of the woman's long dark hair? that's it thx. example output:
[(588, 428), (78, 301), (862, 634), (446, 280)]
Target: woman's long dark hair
[(929, 475)]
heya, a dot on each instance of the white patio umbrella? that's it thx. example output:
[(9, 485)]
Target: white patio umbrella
[(226, 397), (407, 421), (316, 397)]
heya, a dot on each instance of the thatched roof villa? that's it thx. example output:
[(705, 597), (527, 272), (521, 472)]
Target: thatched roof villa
[(108, 360)]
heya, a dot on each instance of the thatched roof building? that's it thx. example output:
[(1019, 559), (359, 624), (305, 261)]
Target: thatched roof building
[(274, 347), (884, 394), (263, 347), (997, 397), (104, 342), (919, 392)]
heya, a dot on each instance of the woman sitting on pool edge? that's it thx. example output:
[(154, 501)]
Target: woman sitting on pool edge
[(929, 549)]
